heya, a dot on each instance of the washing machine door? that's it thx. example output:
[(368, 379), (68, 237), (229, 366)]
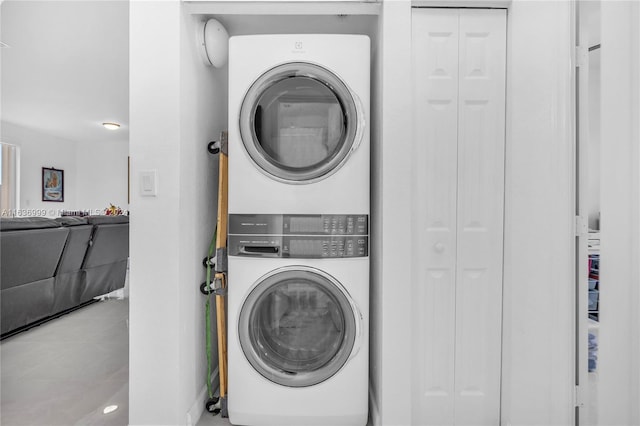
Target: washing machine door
[(299, 122), (298, 326)]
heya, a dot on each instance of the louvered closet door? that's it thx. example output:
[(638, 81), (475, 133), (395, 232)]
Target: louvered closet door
[(459, 122)]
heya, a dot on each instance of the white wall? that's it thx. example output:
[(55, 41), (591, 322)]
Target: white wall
[(593, 166), (102, 175), (538, 282), (391, 222), (177, 107), (635, 229), (589, 12), (204, 116), (155, 376), (619, 335), (38, 150)]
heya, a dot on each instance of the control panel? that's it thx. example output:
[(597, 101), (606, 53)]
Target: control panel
[(298, 236)]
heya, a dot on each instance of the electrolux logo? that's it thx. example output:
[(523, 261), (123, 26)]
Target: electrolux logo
[(298, 48)]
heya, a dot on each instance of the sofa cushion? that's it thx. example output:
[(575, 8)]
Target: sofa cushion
[(20, 223), (109, 244), (104, 279), (68, 288), (104, 220), (75, 249), (30, 255), (26, 303)]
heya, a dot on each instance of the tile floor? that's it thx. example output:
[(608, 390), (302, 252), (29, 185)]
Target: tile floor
[(210, 420), (63, 373)]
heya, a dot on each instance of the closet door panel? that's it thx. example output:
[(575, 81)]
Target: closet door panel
[(459, 121), (435, 78), (480, 206)]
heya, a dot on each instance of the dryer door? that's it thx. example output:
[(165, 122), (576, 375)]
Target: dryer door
[(299, 122), (298, 326)]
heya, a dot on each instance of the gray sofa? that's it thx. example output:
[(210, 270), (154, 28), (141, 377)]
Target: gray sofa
[(48, 266)]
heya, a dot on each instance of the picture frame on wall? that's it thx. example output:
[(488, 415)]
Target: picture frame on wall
[(52, 184)]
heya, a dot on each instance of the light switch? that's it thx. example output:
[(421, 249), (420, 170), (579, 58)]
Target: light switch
[(148, 183)]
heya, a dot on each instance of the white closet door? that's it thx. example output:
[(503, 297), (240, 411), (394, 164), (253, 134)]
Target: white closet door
[(481, 135), (435, 79), (459, 121)]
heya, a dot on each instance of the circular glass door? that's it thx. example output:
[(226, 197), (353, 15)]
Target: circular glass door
[(299, 122), (297, 327)]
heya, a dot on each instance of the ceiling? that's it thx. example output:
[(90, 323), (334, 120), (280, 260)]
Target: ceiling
[(65, 69)]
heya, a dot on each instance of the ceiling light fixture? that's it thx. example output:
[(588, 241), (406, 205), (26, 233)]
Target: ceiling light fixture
[(111, 126), (110, 409)]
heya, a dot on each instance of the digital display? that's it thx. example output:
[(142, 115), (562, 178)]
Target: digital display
[(305, 248), (305, 224)]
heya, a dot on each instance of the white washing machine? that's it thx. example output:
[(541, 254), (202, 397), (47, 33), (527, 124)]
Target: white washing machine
[(299, 124), (298, 315)]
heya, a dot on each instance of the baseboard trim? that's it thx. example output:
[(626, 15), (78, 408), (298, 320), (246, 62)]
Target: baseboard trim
[(197, 408)]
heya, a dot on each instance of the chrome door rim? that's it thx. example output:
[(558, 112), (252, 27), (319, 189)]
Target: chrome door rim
[(299, 378), (352, 114)]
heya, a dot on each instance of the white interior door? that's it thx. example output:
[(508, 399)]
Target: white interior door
[(459, 124), (435, 66)]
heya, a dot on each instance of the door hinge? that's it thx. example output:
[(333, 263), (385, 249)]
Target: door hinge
[(581, 227), (582, 56), (578, 396)]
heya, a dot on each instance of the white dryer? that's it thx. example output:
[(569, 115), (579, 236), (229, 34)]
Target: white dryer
[(298, 315), (299, 124)]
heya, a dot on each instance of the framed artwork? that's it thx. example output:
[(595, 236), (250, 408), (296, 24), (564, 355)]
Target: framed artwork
[(52, 184)]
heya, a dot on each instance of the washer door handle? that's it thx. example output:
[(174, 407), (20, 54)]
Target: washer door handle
[(359, 337), (361, 120)]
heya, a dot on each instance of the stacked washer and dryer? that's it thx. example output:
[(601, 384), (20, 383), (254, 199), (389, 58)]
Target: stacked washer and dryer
[(298, 268)]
